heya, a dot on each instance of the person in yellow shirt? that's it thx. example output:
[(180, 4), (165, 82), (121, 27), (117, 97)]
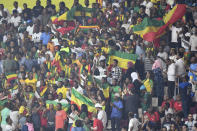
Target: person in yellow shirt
[(63, 88), (31, 81)]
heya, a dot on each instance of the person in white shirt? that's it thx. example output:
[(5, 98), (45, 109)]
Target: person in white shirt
[(171, 75), (162, 57), (174, 35), (15, 19), (133, 122), (101, 114), (193, 41), (30, 27), (2, 9), (180, 65), (14, 116), (149, 5), (36, 34), (9, 126)]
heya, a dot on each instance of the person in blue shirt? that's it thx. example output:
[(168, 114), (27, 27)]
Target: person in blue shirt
[(116, 114), (45, 36)]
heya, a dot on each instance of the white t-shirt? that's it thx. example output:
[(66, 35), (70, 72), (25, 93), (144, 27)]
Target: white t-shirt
[(36, 37), (30, 30), (171, 72), (174, 35), (133, 123), (103, 117), (79, 89), (193, 42), (163, 55), (15, 20), (14, 116), (180, 67), (9, 127)]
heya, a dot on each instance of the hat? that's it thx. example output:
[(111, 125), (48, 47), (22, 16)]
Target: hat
[(142, 87), (117, 95), (98, 105), (102, 58)]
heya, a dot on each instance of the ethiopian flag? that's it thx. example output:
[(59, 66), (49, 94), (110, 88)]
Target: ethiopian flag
[(151, 29), (11, 77), (79, 99), (72, 13), (123, 58), (65, 106)]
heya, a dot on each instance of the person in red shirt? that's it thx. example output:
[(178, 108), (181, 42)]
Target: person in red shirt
[(178, 104), (97, 124), (152, 116), (60, 117), (167, 100)]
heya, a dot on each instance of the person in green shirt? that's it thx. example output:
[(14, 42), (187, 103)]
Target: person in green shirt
[(145, 98), (114, 89)]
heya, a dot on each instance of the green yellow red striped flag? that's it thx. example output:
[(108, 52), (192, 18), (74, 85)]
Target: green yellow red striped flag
[(123, 58), (72, 13), (86, 28), (11, 77), (79, 99), (150, 29), (65, 106)]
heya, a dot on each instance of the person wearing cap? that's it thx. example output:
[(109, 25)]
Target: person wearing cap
[(101, 114), (116, 113)]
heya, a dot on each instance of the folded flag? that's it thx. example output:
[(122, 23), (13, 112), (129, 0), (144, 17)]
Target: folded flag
[(87, 28), (11, 77), (79, 99), (151, 29), (123, 59)]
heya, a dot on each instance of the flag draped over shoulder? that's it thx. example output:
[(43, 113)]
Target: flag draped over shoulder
[(11, 77), (72, 13), (150, 29), (123, 58), (79, 99)]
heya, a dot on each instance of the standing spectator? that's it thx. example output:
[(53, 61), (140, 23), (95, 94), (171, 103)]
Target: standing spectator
[(116, 113), (133, 122), (5, 113), (171, 74), (50, 116), (97, 124), (19, 10), (45, 36), (60, 117), (101, 115), (37, 10)]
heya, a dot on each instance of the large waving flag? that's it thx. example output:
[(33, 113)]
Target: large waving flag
[(79, 99), (150, 29), (123, 58), (72, 13)]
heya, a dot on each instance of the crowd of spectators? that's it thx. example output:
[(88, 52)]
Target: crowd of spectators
[(157, 92)]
